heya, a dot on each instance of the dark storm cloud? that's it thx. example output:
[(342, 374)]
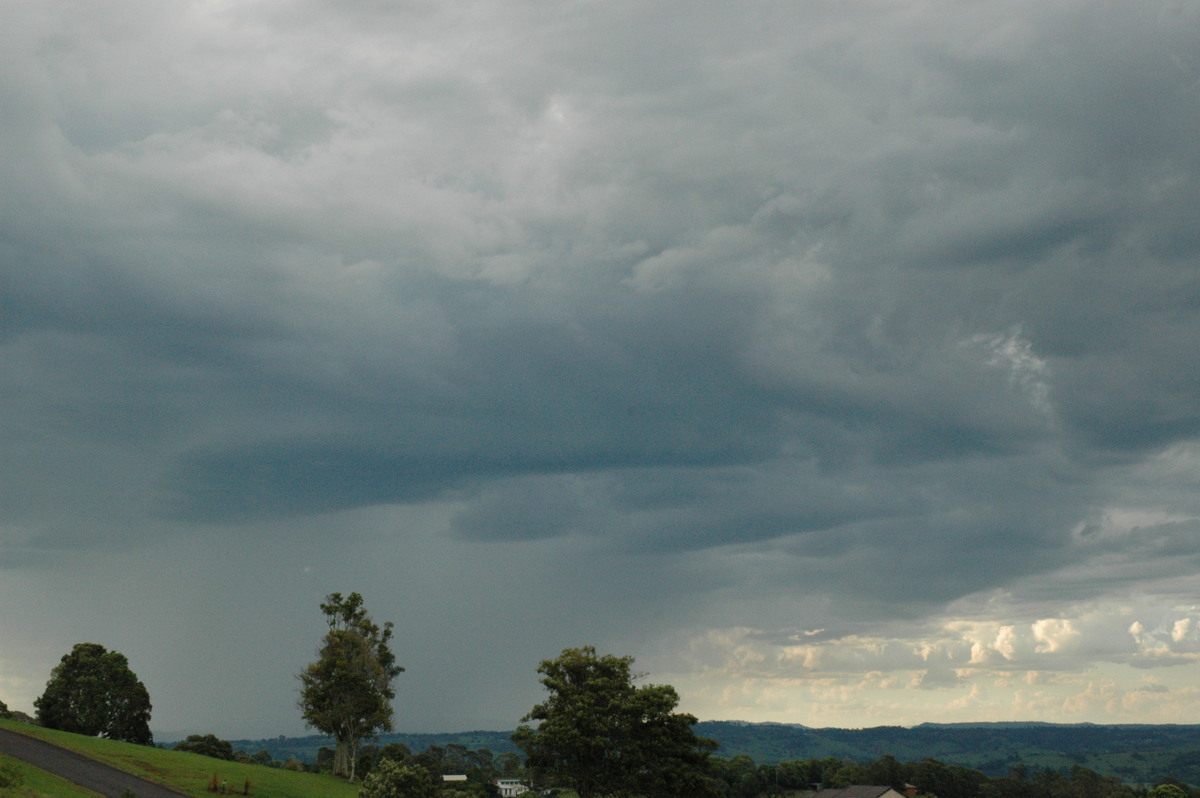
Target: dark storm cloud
[(764, 297), (647, 383), (1015, 169)]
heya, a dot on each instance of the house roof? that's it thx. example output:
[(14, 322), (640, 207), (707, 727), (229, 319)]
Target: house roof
[(858, 791)]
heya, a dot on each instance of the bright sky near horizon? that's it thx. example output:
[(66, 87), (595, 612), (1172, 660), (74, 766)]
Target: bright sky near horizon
[(836, 359)]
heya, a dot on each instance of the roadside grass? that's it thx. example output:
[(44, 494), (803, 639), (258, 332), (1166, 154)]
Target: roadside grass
[(37, 783), (191, 774)]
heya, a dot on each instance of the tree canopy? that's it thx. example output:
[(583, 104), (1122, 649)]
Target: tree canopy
[(93, 691), (347, 692), (601, 734), (206, 745), (1168, 791), (391, 779)]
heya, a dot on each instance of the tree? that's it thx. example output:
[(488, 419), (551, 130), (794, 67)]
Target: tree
[(600, 734), (1168, 791), (849, 774), (391, 779), (347, 692), (206, 745), (92, 691)]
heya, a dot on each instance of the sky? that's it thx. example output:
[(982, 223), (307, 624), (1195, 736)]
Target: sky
[(835, 359)]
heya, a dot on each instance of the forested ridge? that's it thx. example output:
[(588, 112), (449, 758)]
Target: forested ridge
[(1138, 754)]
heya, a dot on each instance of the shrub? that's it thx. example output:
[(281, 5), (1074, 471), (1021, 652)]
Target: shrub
[(393, 780), (11, 775), (206, 745)]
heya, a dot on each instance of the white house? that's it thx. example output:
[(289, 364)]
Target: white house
[(511, 787)]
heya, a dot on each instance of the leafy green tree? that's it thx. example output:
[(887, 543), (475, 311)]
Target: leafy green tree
[(347, 692), (391, 779), (92, 691), (206, 745), (740, 775), (601, 735), (886, 770), (262, 757), (946, 781), (794, 773), (1168, 791), (508, 765), (850, 774)]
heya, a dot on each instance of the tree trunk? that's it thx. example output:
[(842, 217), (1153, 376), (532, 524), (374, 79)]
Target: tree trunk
[(341, 758), (345, 757)]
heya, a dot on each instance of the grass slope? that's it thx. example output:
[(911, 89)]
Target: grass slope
[(191, 773), (36, 783)]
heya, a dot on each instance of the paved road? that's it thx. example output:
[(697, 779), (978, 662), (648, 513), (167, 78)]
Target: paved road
[(85, 772)]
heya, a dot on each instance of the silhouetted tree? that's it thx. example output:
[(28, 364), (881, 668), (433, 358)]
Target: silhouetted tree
[(600, 734), (206, 745), (92, 691)]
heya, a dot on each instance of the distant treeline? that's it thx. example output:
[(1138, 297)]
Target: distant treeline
[(998, 760), (305, 749), (928, 777), (1136, 754), (740, 775)]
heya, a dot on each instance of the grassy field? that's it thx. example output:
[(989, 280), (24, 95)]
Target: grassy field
[(188, 773), (37, 783)]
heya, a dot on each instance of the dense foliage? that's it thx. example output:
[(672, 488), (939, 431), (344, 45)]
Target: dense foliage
[(206, 745), (742, 778), (10, 776), (1136, 753), (600, 734), (92, 691), (392, 779), (348, 692)]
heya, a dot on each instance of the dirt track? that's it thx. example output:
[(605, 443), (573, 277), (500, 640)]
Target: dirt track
[(85, 772)]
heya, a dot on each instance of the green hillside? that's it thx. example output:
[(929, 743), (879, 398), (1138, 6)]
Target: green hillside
[(305, 748), (190, 773)]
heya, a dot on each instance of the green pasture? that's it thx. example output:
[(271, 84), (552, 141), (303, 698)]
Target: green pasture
[(188, 773), (35, 783)]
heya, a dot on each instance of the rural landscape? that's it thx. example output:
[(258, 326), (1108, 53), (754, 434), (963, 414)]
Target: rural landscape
[(600, 398), (598, 734)]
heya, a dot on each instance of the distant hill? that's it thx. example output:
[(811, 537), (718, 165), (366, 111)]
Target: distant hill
[(305, 748), (1134, 753)]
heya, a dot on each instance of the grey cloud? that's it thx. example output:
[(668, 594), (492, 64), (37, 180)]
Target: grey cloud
[(1153, 688), (753, 299)]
